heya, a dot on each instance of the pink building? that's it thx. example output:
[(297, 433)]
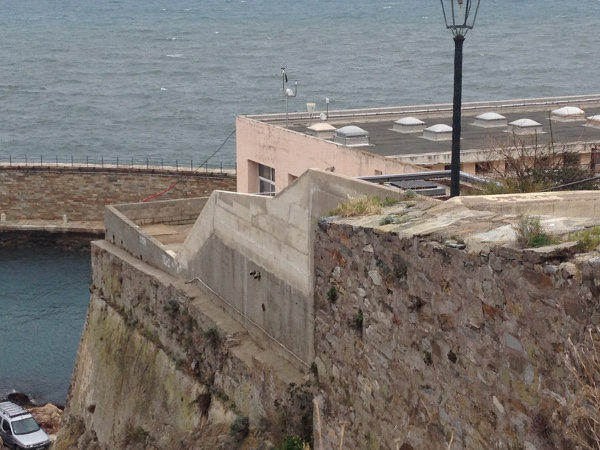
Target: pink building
[(408, 139)]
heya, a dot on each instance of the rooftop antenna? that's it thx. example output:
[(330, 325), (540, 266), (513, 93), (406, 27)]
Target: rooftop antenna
[(287, 92)]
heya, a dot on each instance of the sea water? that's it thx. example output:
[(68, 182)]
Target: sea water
[(165, 79), (44, 294)]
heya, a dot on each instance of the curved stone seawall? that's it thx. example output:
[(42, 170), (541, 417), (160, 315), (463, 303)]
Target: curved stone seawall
[(81, 193)]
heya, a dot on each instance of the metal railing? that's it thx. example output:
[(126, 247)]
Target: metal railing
[(115, 162)]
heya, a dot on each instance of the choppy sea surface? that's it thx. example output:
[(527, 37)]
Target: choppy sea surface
[(164, 79), (157, 78)]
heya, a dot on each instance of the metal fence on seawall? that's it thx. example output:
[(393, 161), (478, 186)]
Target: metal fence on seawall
[(96, 162)]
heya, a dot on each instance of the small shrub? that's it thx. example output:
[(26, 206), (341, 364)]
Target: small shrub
[(587, 239), (172, 307), (530, 233), (390, 201), (386, 220), (427, 358), (314, 369), (240, 428), (293, 443), (410, 195), (134, 435), (211, 335), (332, 294)]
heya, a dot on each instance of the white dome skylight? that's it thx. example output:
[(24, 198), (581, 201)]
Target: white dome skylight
[(490, 120), (408, 125), (568, 113)]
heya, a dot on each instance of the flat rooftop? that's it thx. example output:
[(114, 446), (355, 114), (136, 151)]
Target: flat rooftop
[(384, 141)]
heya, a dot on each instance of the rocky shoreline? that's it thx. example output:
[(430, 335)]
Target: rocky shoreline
[(49, 416)]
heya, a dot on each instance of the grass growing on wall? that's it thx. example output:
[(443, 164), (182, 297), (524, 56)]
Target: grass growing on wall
[(587, 239), (365, 205)]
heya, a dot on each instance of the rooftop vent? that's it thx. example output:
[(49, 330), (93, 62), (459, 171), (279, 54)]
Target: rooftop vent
[(524, 126), (593, 121), (351, 136), (409, 125), (321, 130), (439, 132), (568, 114), (490, 120)]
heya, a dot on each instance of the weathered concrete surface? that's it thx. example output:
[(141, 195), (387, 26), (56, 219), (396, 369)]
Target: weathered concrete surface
[(560, 204), (434, 338), (253, 251), (160, 356)]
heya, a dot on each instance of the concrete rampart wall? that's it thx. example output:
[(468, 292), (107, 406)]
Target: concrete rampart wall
[(426, 346), (172, 212), (255, 252), (292, 153), (48, 193), (126, 234), (239, 236)]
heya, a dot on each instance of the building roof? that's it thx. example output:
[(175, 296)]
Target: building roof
[(386, 142)]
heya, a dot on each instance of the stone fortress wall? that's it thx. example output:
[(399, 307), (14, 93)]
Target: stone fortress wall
[(81, 193), (424, 341)]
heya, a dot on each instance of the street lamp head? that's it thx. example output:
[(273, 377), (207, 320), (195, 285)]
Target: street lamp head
[(460, 15)]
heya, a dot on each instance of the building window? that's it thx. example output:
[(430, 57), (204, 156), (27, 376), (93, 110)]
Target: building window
[(483, 167), (266, 179)]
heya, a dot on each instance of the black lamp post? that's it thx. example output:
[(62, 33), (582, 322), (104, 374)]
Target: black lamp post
[(460, 17)]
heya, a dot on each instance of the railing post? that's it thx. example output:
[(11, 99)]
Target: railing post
[(10, 160), (41, 161), (102, 161), (117, 162), (87, 160), (177, 165), (162, 166), (192, 165), (25, 160)]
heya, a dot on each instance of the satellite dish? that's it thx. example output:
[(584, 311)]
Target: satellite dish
[(289, 92), (323, 116)]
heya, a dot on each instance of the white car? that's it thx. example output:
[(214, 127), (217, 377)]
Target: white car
[(19, 430)]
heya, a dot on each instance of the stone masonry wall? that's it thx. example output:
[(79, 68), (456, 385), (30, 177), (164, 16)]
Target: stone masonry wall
[(81, 193), (161, 357), (423, 346)]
